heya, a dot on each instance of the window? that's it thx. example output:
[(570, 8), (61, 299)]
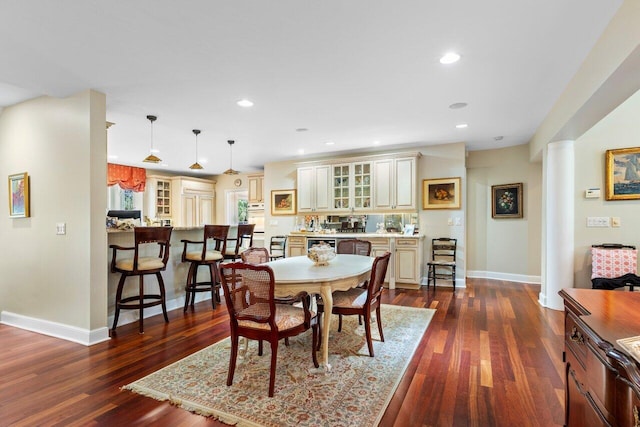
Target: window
[(237, 203)]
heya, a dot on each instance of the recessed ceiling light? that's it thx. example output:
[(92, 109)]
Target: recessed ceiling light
[(245, 103), (498, 138), (154, 150), (113, 156), (166, 165), (329, 143), (450, 58), (376, 142), (202, 160), (302, 130), (462, 125), (301, 151), (458, 105)]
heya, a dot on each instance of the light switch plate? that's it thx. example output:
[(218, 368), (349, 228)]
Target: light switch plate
[(61, 228)]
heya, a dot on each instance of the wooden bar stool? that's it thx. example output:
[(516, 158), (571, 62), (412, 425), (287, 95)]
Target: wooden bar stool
[(243, 240), (207, 256), (141, 265)]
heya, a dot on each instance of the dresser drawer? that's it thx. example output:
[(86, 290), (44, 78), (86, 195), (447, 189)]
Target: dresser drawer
[(575, 339)]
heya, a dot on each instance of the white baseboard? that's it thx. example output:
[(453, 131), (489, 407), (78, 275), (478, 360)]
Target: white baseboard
[(55, 329), (85, 336), (460, 283), (509, 277)]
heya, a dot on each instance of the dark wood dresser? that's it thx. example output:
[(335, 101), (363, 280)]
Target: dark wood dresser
[(602, 381)]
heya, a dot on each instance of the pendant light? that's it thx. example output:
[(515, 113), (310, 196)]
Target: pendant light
[(152, 158), (231, 171), (196, 165)]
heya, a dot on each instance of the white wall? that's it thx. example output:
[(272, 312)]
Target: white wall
[(504, 248), (47, 278), (620, 129)]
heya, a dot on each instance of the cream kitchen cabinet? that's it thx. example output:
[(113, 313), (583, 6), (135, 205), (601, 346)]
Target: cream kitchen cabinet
[(313, 188), (157, 198), (395, 184), (256, 188), (297, 246), (351, 187), (193, 201), (407, 261)]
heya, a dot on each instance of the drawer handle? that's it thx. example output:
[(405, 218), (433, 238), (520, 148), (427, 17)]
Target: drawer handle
[(576, 336)]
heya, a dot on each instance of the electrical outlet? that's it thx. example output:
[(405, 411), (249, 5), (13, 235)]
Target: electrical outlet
[(615, 221), (450, 221)]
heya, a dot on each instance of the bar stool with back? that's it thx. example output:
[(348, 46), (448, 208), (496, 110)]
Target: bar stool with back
[(277, 247), (208, 256), (243, 240), (141, 265)]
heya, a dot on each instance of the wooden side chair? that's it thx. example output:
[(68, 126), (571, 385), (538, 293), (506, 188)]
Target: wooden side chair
[(255, 255), (614, 265), (361, 301), (145, 239), (354, 247), (208, 253), (243, 240), (277, 247), (443, 261), (254, 314)]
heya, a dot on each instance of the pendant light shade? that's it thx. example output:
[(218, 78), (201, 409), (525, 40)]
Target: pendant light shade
[(231, 171), (196, 165), (152, 158)]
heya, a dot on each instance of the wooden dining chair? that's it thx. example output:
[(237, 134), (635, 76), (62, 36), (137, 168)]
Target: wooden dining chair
[(208, 252), (362, 301), (254, 314), (145, 239), (354, 247), (255, 255)]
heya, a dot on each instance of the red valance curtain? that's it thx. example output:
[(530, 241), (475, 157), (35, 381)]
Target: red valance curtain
[(128, 177)]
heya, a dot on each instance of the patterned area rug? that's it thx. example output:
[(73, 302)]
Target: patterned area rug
[(355, 392)]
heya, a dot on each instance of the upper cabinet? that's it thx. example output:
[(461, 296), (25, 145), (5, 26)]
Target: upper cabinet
[(375, 183), (193, 201), (313, 188), (256, 188), (157, 203), (395, 184)]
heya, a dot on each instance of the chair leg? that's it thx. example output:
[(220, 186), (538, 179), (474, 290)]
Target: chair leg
[(260, 347), (118, 298), (319, 331), (232, 359), (339, 322), (379, 320), (453, 277), (188, 286), (212, 276), (272, 371), (367, 331), (141, 301), (163, 297)]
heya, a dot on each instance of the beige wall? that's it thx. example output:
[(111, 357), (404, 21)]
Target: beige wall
[(504, 248), (61, 143), (619, 129)]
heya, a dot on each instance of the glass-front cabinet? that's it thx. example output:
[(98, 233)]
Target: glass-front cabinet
[(361, 185), (341, 196), (163, 198)]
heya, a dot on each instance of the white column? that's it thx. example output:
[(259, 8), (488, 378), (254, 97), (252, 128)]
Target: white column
[(558, 229)]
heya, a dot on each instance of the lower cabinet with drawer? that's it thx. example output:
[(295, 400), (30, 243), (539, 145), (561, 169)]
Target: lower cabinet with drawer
[(602, 382)]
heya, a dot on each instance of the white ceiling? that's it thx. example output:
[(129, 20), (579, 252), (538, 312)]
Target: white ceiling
[(350, 71)]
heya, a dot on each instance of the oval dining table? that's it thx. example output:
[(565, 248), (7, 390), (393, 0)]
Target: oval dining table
[(296, 274)]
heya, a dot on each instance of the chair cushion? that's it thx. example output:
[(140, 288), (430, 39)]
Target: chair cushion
[(451, 263), (287, 317), (209, 256), (354, 297), (144, 263), (611, 263)]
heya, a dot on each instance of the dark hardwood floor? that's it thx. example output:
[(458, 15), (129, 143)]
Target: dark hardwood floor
[(491, 357)]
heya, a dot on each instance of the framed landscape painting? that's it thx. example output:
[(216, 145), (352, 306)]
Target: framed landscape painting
[(19, 195), (506, 201), (622, 174), (283, 202), (441, 193)]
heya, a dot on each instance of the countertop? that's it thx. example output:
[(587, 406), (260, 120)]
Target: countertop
[(115, 230), (352, 235)]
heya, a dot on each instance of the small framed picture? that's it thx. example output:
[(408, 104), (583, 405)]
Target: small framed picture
[(283, 202), (409, 229), (19, 195), (441, 193), (506, 201), (622, 179)]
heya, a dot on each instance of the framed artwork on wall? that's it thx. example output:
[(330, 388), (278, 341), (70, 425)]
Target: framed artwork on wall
[(622, 174), (441, 193), (506, 201), (19, 195), (283, 202)]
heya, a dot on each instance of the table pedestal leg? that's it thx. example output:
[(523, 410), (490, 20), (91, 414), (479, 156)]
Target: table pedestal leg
[(327, 300)]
